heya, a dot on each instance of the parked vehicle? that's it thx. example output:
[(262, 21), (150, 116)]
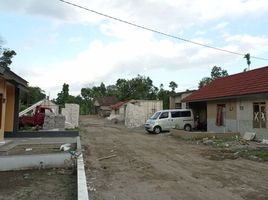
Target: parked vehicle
[(165, 120), (37, 118)]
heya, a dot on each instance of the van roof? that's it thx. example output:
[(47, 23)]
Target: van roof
[(184, 109)]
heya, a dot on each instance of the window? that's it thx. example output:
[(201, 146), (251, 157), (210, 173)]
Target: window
[(117, 111), (155, 116), (259, 115), (185, 114), (178, 105), (220, 114), (163, 115), (175, 114)]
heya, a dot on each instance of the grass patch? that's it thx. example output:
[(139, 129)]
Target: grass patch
[(72, 129), (260, 153)]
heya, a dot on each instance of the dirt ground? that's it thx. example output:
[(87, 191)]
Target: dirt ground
[(47, 184), (131, 164), (29, 149)]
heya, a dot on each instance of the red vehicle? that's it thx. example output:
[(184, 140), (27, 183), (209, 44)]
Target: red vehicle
[(37, 118)]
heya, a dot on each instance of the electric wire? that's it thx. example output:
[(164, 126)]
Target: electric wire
[(159, 32)]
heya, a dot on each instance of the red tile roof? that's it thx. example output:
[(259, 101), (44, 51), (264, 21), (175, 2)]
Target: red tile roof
[(118, 104), (245, 83), (107, 100)]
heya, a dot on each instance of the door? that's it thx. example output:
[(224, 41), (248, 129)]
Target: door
[(164, 120)]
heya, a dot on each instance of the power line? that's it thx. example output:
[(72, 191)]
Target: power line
[(160, 32)]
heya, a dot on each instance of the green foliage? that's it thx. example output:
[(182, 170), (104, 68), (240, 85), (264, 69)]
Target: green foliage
[(216, 72), (173, 86), (30, 97), (247, 56), (63, 96), (164, 96), (140, 87), (204, 81), (7, 55), (259, 153)]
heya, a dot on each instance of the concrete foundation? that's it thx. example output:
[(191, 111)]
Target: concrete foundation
[(41, 161)]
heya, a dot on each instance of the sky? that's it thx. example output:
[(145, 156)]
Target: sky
[(57, 43)]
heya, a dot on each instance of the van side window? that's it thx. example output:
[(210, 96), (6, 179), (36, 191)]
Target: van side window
[(163, 115), (175, 114), (185, 114)]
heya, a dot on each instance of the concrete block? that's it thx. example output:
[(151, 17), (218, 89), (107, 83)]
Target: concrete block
[(249, 136)]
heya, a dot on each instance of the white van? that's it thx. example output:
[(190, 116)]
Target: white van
[(164, 120)]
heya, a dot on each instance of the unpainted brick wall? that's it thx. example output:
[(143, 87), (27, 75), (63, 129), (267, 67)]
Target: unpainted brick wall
[(71, 113)]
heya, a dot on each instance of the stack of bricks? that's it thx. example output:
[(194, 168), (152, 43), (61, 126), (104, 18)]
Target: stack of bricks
[(60, 122), (53, 121)]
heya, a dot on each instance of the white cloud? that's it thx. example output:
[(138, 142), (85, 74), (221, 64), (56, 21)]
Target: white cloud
[(220, 26), (108, 62), (131, 50), (248, 43), (169, 15)]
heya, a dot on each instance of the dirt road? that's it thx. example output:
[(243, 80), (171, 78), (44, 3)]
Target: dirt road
[(162, 167)]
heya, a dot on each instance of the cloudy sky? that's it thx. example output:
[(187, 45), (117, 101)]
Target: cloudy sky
[(57, 43)]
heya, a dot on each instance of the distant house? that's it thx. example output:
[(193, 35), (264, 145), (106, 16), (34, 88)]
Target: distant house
[(236, 103), (119, 110), (175, 99), (134, 113), (10, 86), (102, 105)]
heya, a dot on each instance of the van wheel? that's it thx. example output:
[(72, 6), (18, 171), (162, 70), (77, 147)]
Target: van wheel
[(157, 129), (187, 127)]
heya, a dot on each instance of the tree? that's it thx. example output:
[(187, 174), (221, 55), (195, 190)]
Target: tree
[(111, 90), (204, 81), (140, 87), (216, 72), (86, 105), (247, 56), (7, 55), (63, 96), (173, 86), (31, 96), (102, 89), (164, 96)]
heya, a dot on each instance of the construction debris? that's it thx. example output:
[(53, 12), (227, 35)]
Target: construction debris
[(107, 157), (65, 147), (249, 136), (264, 141)]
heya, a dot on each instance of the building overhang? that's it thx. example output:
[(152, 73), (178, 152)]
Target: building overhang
[(250, 96)]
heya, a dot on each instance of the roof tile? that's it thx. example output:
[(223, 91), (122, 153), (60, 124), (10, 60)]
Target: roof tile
[(245, 83)]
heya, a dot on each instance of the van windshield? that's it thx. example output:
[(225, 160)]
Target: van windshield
[(156, 115)]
